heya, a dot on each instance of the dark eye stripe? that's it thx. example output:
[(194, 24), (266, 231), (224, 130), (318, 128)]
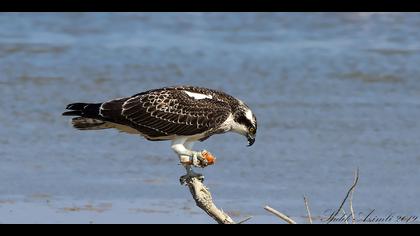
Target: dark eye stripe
[(243, 120)]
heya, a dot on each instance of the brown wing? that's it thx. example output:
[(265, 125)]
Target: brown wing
[(168, 111)]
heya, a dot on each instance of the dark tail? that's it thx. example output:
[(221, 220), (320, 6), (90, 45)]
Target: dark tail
[(88, 116), (88, 110)]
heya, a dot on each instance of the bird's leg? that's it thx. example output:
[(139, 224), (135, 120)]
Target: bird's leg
[(186, 155), (188, 158)]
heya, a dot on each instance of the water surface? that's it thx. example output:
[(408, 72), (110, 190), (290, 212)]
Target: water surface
[(332, 92)]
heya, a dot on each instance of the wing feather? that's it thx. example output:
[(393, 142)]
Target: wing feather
[(171, 111)]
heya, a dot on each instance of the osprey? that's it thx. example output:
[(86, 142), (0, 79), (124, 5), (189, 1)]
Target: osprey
[(181, 114)]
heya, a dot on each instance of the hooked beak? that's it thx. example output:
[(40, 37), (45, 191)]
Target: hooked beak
[(251, 140)]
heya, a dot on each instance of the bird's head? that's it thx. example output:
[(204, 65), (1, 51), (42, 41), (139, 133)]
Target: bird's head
[(245, 123)]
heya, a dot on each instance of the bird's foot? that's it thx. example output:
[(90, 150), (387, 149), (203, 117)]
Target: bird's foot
[(199, 159), (190, 174)]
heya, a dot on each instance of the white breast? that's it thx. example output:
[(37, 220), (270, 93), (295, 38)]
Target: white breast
[(198, 96), (231, 125)]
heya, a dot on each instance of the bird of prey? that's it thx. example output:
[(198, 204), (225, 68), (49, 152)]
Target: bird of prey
[(180, 114)]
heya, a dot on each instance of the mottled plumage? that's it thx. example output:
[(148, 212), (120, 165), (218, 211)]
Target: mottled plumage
[(165, 114)]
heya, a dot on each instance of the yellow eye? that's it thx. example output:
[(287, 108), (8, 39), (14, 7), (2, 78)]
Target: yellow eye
[(252, 130)]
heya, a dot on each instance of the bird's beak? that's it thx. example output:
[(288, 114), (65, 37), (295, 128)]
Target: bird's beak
[(251, 140)]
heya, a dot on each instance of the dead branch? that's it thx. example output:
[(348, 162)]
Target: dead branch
[(308, 210), (280, 215), (356, 180), (203, 199), (245, 220), (349, 196)]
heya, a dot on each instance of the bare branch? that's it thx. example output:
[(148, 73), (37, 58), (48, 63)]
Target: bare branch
[(347, 196), (245, 220), (203, 199), (308, 210), (356, 179), (280, 215)]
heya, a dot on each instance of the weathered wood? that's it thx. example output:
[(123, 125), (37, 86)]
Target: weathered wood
[(280, 215), (203, 199)]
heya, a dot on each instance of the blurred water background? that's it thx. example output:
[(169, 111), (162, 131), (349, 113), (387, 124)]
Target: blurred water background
[(332, 92)]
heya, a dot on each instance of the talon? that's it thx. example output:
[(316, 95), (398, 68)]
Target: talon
[(203, 161), (205, 158), (184, 179), (199, 159), (200, 177)]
